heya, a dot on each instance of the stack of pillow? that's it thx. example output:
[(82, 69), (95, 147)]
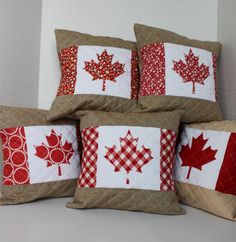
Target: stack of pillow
[(134, 126)]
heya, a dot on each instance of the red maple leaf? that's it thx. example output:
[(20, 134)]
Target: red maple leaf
[(191, 71), (128, 157), (104, 69), (55, 153), (196, 156)]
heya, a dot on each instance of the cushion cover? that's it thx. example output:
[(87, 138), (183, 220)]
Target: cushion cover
[(40, 159), (205, 168), (97, 73), (127, 162), (177, 73)]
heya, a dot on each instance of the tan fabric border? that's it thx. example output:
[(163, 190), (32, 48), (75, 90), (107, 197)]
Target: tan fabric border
[(66, 38), (167, 120), (147, 35), (220, 204), (26, 193), (127, 199), (196, 110), (72, 106), (225, 125)]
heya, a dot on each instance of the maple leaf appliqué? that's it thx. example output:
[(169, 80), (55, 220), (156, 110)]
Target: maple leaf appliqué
[(128, 157), (196, 156), (55, 153), (191, 71), (104, 69)]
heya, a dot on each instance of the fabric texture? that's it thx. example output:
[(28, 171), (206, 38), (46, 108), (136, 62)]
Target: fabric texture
[(39, 158), (205, 167), (97, 73), (127, 162), (177, 73)]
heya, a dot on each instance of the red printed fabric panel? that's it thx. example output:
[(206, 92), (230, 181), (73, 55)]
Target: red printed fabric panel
[(87, 177), (134, 75), (37, 154), (226, 182), (153, 70), (14, 149), (178, 70), (68, 62), (168, 140), (214, 60)]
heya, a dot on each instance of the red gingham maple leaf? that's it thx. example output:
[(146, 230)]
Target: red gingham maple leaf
[(104, 69), (55, 153), (191, 71), (128, 157), (196, 156)]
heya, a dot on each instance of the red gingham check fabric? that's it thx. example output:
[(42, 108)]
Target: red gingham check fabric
[(168, 139), (87, 176), (128, 157)]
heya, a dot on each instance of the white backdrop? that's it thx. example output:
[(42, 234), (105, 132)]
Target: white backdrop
[(196, 19)]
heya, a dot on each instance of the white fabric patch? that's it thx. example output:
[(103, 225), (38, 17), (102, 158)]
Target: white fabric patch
[(207, 177), (149, 138), (174, 82), (39, 172), (85, 83)]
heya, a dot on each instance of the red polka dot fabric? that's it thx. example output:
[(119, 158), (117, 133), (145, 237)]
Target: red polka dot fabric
[(68, 61), (153, 70)]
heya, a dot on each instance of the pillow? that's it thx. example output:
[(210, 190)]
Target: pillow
[(97, 73), (177, 73), (205, 167), (127, 162), (40, 159)]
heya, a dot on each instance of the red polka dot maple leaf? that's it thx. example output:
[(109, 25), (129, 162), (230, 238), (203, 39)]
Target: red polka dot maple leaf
[(55, 153), (191, 71), (196, 156), (128, 157), (104, 69)]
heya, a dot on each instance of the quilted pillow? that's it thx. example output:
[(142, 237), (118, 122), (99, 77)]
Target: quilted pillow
[(127, 162), (40, 159), (177, 73), (205, 167), (97, 73)]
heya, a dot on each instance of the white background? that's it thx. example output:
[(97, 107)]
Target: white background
[(85, 83), (39, 172), (207, 177), (150, 176)]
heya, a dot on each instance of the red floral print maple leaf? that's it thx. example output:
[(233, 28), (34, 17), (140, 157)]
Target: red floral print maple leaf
[(196, 156), (128, 157), (55, 153), (104, 69), (191, 71)]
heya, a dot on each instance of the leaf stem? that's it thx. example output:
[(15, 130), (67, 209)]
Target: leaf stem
[(59, 171), (189, 170)]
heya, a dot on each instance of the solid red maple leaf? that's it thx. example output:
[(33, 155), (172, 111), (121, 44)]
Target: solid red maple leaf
[(55, 153), (196, 156), (191, 71), (128, 157), (104, 70)]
